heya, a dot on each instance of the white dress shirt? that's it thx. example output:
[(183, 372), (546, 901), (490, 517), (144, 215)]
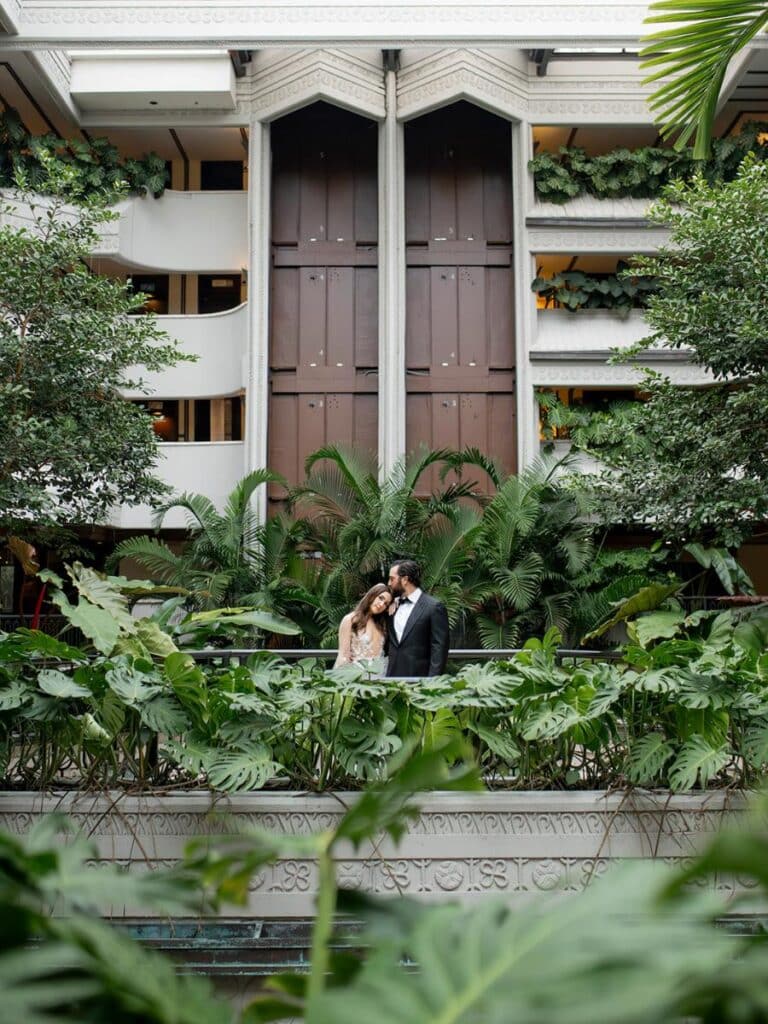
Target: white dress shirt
[(404, 609)]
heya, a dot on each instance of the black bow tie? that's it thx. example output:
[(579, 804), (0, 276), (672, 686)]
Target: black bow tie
[(404, 600)]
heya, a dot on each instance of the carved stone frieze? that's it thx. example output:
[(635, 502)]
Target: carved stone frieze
[(297, 79), (476, 75), (582, 238), (568, 22), (511, 844)]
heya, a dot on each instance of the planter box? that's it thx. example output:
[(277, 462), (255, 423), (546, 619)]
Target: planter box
[(462, 846)]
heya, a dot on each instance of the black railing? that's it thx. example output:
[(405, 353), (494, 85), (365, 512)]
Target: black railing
[(54, 625), (241, 654)]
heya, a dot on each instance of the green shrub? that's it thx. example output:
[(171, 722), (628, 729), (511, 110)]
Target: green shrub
[(638, 173)]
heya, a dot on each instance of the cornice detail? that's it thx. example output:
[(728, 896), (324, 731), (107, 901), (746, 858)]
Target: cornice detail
[(277, 22), (451, 75), (576, 373), (586, 239), (298, 79)]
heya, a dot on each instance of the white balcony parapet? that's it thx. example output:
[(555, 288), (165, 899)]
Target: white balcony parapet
[(590, 208), (181, 232), (571, 349), (205, 467), (219, 340), (561, 330)]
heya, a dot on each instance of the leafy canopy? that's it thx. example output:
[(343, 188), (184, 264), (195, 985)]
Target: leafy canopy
[(70, 445), (690, 461)]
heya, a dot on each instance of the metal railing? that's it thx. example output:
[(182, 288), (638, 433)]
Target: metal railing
[(241, 654)]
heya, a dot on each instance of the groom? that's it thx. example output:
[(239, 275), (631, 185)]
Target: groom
[(418, 630)]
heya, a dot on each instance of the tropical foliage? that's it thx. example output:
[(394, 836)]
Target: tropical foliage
[(689, 461), (691, 59), (573, 289), (71, 447), (640, 173), (683, 704), (231, 558), (90, 166), (484, 962)]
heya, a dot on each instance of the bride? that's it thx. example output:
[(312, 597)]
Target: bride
[(362, 631)]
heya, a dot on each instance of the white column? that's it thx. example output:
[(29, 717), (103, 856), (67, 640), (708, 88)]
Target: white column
[(391, 283), (257, 390), (525, 304)]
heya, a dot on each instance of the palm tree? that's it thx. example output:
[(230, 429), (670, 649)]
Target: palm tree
[(696, 52), (231, 558), (361, 524), (533, 542)]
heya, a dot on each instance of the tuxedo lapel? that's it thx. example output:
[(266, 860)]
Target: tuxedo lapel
[(418, 610)]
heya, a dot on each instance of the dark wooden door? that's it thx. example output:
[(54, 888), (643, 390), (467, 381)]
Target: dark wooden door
[(324, 287), (460, 345)]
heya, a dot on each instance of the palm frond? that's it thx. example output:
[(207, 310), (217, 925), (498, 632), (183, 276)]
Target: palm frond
[(201, 513), (696, 52), (153, 555)]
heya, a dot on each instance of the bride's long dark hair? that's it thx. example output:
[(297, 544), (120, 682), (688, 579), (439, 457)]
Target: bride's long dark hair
[(362, 613)]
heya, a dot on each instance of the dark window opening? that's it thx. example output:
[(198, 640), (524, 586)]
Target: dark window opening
[(221, 175), (217, 292), (155, 287)]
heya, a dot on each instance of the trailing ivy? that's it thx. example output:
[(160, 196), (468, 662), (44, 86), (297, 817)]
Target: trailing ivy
[(99, 165), (573, 289), (639, 173)]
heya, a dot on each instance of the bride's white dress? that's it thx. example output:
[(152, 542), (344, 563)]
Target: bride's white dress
[(358, 644)]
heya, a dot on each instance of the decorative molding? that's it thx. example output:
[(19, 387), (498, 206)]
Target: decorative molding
[(56, 70), (277, 22), (481, 77), (300, 78), (583, 238), (588, 373), (10, 15), (513, 844)]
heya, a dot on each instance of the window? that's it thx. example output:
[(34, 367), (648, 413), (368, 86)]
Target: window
[(221, 175)]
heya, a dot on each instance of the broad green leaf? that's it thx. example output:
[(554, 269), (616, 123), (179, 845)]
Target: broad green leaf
[(93, 731), (658, 624), (269, 622), (131, 686), (499, 743), (645, 600), (98, 590), (101, 628), (164, 714), (243, 770), (13, 695), (756, 744), (57, 684), (697, 761), (647, 758), (42, 643), (571, 960), (749, 636)]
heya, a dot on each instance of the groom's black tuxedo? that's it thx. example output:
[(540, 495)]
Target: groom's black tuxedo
[(423, 648)]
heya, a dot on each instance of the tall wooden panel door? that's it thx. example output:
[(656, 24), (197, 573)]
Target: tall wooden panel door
[(460, 344), (324, 286)]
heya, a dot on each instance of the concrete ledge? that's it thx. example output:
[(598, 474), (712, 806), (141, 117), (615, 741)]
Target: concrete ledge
[(462, 846)]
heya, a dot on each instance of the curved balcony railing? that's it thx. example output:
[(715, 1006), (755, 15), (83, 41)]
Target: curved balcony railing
[(219, 341), (206, 467), (181, 232)]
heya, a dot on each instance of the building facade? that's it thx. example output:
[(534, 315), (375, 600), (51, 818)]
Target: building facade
[(351, 232)]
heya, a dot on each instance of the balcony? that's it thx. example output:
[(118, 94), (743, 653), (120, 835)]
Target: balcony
[(587, 330), (219, 340), (181, 232), (210, 468)]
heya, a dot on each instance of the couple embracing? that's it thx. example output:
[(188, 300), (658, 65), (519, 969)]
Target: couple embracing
[(398, 620)]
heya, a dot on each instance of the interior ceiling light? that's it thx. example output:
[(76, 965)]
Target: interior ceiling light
[(153, 103)]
